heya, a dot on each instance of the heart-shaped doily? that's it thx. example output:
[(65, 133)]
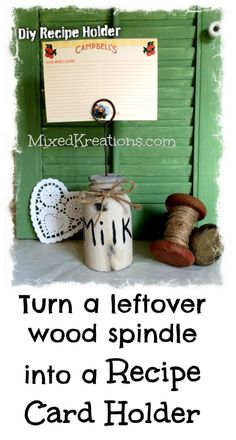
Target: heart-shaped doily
[(55, 212)]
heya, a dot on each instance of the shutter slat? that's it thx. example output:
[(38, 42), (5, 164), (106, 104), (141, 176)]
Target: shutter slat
[(72, 14), (176, 43), (145, 132), (76, 154), (153, 152), (156, 15), (76, 171), (165, 22), (181, 160), (177, 53), (168, 32), (176, 73), (159, 197), (160, 188), (153, 170)]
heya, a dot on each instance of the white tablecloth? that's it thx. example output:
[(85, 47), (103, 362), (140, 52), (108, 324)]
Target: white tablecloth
[(39, 264)]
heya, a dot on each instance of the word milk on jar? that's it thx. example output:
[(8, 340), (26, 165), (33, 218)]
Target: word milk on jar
[(107, 221)]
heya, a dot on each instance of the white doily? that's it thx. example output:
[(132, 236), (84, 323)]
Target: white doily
[(55, 212)]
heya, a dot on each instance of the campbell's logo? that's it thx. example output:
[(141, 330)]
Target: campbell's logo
[(96, 46)]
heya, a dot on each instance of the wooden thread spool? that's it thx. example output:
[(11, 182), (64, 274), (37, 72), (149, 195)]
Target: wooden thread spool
[(184, 212)]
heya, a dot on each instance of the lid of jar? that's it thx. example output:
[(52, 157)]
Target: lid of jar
[(102, 179)]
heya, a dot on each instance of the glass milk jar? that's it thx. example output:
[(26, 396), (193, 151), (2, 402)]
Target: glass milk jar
[(108, 244)]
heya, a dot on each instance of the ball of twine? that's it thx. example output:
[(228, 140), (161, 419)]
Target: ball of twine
[(206, 244)]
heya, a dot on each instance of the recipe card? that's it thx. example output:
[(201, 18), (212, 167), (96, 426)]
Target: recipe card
[(79, 72)]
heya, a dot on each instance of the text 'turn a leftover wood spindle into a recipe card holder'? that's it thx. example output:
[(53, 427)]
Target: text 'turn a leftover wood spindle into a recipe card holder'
[(108, 244), (184, 212)]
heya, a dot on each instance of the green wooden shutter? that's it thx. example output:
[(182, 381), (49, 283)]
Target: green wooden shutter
[(186, 60)]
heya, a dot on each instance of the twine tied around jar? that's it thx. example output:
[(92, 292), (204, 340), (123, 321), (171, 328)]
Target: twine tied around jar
[(102, 195)]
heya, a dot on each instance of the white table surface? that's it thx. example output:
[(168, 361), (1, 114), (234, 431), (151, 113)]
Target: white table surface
[(39, 264)]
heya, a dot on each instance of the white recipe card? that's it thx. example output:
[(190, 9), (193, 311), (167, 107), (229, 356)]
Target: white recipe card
[(79, 72)]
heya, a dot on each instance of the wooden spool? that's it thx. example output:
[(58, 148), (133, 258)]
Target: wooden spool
[(206, 244), (184, 212)]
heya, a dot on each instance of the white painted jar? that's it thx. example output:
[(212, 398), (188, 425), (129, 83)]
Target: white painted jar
[(108, 244)]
